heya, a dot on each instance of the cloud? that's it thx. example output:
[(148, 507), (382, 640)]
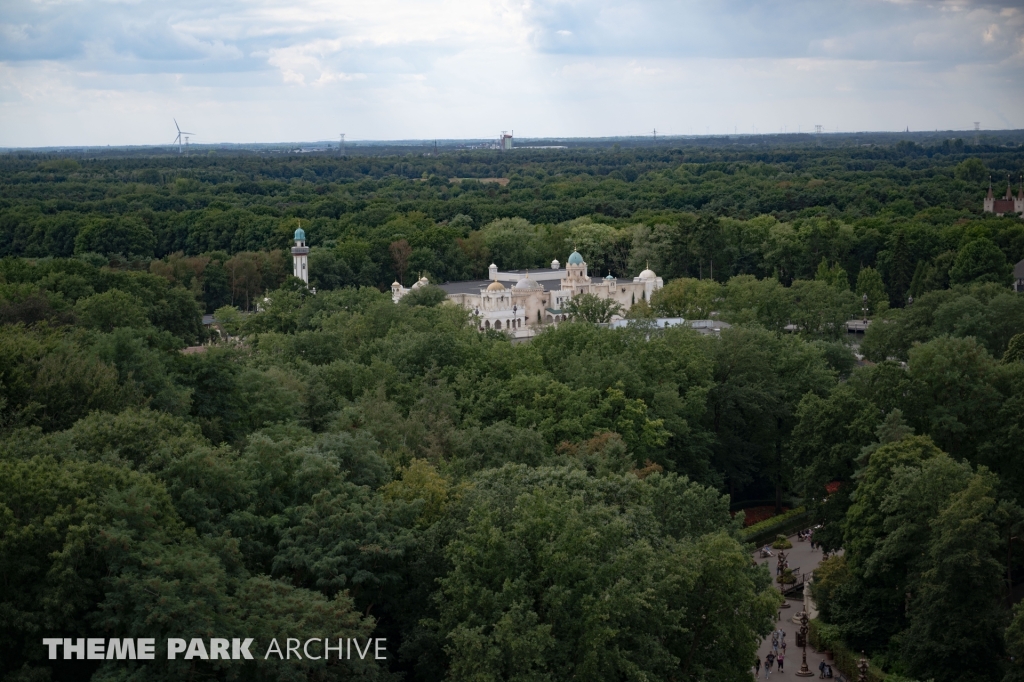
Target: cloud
[(455, 68), (846, 29)]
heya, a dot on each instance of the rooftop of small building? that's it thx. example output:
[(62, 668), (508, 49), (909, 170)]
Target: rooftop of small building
[(705, 327), (474, 286)]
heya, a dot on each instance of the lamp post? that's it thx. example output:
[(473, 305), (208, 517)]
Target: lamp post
[(864, 307), (514, 309), (862, 668), (804, 671)]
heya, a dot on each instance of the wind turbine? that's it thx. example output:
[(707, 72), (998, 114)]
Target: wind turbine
[(181, 132)]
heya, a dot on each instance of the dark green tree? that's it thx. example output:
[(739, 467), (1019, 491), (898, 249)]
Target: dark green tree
[(979, 260), (126, 235)]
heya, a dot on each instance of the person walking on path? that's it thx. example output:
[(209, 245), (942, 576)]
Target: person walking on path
[(768, 660), (821, 670), (757, 666), (780, 659)]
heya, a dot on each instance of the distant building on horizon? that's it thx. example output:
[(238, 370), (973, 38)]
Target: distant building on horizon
[(1007, 204)]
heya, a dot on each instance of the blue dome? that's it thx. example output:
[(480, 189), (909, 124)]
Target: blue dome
[(300, 235), (575, 258), (609, 276)]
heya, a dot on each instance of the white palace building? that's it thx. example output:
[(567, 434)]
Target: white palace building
[(519, 302), (522, 301)]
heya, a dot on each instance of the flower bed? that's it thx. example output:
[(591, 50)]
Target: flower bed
[(753, 515)]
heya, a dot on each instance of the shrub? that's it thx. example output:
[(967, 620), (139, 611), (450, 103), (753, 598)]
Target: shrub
[(782, 543), (825, 637), (770, 527)]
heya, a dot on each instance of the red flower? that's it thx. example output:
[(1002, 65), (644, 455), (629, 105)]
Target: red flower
[(757, 514)]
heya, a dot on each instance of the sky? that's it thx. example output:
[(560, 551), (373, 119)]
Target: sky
[(118, 72)]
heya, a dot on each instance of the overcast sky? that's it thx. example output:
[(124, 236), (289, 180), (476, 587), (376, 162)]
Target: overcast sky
[(93, 72)]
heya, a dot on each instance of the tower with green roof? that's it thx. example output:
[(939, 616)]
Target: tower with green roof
[(300, 256)]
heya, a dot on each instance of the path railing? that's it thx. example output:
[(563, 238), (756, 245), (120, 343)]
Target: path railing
[(801, 578)]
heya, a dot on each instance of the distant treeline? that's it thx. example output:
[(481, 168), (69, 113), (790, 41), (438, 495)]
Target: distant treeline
[(906, 210)]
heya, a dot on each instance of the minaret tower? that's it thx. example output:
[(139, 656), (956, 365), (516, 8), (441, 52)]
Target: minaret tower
[(300, 256)]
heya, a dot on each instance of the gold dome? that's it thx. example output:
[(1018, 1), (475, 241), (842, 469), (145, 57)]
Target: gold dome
[(495, 286)]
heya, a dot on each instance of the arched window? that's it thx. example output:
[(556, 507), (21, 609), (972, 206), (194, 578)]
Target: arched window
[(487, 324), (497, 324), (550, 319)]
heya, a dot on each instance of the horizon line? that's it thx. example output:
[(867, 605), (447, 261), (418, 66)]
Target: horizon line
[(448, 141)]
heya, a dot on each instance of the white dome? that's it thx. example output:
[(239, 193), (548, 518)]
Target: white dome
[(555, 264), (648, 274), (527, 284), (422, 282)]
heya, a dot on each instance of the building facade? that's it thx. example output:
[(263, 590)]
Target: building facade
[(520, 301), (1008, 204)]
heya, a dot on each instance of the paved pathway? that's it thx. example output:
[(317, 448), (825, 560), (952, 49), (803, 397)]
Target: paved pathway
[(802, 559)]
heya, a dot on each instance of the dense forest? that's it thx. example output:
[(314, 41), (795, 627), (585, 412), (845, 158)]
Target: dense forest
[(321, 462)]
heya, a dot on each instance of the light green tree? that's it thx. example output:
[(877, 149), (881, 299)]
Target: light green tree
[(229, 319), (762, 301), (512, 242), (687, 297), (820, 310), (834, 275), (591, 308), (869, 283)]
